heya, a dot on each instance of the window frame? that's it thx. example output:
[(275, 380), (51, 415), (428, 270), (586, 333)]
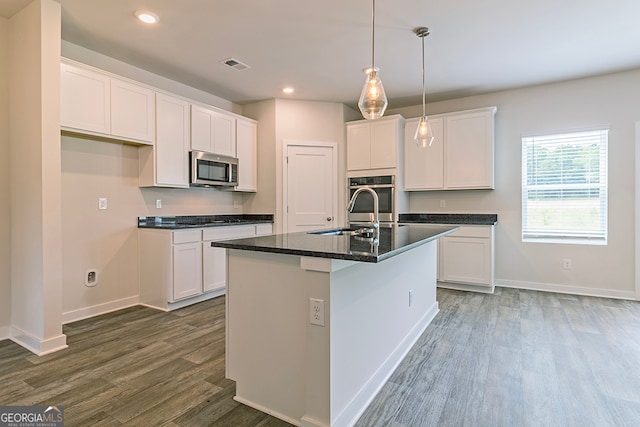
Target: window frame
[(599, 236)]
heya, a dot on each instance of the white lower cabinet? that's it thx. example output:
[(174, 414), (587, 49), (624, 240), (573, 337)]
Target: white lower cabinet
[(187, 269), (465, 259), (179, 267)]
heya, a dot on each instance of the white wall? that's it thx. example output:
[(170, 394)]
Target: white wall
[(5, 213), (107, 240), (610, 100), (284, 119), (34, 135)]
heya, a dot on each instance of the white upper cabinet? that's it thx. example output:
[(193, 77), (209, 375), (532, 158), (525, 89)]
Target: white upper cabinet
[(374, 144), (85, 99), (212, 131), (95, 103), (167, 163), (247, 151), (468, 156), (424, 167), (461, 156), (132, 111)]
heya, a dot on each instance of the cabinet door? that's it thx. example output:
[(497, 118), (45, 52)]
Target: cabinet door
[(384, 144), (187, 270), (423, 167), (132, 111), (172, 142), (85, 99), (224, 136), (247, 151), (469, 150), (214, 267), (202, 125), (466, 258), (358, 146)]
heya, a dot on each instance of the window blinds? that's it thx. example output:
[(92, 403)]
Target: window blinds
[(564, 187)]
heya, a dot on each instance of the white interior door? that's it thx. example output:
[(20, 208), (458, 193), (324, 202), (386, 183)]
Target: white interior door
[(311, 187)]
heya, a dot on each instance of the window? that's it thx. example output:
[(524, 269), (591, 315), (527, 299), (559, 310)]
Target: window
[(564, 187)]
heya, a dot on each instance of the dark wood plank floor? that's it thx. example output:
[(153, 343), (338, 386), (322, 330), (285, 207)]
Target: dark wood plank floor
[(515, 358)]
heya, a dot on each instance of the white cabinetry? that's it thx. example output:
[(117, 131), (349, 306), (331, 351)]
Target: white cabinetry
[(247, 151), (424, 167), (212, 131), (95, 103), (167, 163), (179, 267), (374, 144), (186, 254), (465, 259), (461, 156)]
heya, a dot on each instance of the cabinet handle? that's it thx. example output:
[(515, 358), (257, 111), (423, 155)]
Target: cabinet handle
[(329, 218)]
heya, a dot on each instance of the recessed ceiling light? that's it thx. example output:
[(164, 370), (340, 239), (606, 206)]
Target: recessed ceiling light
[(288, 89), (147, 17)]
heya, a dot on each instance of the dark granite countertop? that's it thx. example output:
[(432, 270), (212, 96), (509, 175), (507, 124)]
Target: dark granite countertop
[(393, 241), (458, 219), (199, 221)]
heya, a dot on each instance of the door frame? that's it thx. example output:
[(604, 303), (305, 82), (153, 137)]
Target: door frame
[(637, 211), (285, 175)]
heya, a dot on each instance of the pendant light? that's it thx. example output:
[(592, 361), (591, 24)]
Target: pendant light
[(373, 100), (424, 135)]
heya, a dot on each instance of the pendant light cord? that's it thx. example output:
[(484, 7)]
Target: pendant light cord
[(373, 35), (423, 85)]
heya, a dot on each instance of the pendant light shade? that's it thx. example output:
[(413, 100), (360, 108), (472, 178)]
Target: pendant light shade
[(373, 100), (424, 135)]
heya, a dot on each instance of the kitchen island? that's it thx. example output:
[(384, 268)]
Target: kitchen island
[(316, 323)]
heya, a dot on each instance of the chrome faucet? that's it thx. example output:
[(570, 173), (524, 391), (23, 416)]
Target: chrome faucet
[(352, 203)]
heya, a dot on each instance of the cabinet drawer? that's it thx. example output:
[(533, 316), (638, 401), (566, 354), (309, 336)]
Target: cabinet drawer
[(187, 236), (472, 231), (228, 232)]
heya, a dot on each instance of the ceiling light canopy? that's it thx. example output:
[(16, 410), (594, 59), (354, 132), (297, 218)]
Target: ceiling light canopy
[(147, 17), (373, 100)]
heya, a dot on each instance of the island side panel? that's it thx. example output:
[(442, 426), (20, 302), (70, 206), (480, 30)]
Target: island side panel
[(267, 332), (374, 324)]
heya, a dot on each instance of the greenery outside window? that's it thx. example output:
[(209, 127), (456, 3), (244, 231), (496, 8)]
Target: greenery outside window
[(564, 187)]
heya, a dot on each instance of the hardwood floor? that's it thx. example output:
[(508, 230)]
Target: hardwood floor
[(134, 367), (515, 358), (518, 358)]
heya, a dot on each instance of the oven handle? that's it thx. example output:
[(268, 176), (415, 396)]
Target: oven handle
[(352, 187)]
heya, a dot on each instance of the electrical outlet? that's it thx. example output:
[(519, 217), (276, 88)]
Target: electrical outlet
[(158, 204), (410, 297), (443, 203), (316, 311), (102, 203), (566, 264)]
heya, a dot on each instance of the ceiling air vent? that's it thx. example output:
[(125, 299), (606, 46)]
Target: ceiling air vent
[(235, 64)]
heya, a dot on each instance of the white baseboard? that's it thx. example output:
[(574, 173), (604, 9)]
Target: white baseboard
[(467, 287), (96, 310), (567, 289), (36, 345)]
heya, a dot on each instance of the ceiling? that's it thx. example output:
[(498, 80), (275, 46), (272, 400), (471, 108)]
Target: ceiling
[(321, 47)]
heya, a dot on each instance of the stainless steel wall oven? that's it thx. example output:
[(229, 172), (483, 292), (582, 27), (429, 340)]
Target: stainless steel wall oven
[(384, 186)]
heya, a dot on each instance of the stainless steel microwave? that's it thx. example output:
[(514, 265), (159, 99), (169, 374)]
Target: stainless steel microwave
[(212, 170)]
